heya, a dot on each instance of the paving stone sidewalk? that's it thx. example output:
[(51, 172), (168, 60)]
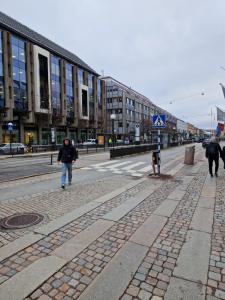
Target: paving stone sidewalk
[(156, 240)]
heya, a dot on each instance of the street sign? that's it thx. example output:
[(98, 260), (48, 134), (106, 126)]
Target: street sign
[(53, 135), (10, 126), (137, 132), (159, 121)]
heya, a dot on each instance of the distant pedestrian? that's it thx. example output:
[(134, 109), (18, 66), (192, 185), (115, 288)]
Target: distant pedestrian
[(67, 156), (154, 160), (110, 141), (213, 152)]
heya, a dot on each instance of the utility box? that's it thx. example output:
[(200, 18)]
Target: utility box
[(189, 155)]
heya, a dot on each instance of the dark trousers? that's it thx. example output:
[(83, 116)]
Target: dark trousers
[(216, 160)]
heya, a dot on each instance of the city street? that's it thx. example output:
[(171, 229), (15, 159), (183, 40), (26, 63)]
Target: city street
[(112, 150), (117, 233), (88, 168)]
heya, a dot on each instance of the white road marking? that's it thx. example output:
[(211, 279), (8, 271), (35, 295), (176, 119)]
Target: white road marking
[(101, 170), (136, 175), (117, 172), (86, 168), (104, 163), (133, 166), (118, 165), (145, 169)]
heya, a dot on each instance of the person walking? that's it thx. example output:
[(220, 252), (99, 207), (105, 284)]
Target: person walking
[(67, 156), (223, 156), (213, 151)]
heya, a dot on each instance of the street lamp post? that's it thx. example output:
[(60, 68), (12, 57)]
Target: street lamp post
[(113, 117)]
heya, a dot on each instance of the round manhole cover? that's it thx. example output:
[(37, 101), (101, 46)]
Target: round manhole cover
[(22, 220)]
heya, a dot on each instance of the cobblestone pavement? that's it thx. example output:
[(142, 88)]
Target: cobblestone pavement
[(94, 259), (55, 203), (216, 274), (153, 276), (156, 270)]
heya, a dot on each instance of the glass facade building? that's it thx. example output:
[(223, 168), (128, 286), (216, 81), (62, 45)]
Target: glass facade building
[(80, 76), (44, 87), (69, 92), (91, 96), (19, 74), (2, 94), (55, 81), (99, 92)]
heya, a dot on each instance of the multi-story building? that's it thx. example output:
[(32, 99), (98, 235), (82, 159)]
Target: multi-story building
[(134, 114), (133, 111), (182, 129), (46, 91)]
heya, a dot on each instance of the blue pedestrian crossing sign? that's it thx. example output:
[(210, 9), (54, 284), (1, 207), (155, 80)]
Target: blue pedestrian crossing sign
[(159, 121), (10, 126)]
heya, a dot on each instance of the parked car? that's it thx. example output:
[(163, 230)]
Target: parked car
[(15, 148), (205, 143), (89, 142), (119, 142)]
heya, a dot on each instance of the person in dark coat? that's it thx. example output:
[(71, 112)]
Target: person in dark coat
[(67, 156), (223, 156), (213, 152)]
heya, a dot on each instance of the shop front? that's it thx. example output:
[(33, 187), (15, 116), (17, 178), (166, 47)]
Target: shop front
[(30, 136), (15, 135), (60, 135)]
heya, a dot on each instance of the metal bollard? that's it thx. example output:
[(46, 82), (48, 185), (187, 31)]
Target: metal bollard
[(51, 159)]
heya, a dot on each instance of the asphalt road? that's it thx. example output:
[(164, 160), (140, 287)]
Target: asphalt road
[(88, 168), (20, 167)]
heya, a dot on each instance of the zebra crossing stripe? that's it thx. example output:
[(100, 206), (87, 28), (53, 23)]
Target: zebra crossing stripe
[(133, 166), (136, 174), (118, 165), (104, 163), (101, 170), (145, 169), (117, 172)]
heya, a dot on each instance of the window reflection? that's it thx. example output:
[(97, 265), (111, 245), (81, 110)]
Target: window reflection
[(2, 94), (56, 91), (80, 75), (19, 74)]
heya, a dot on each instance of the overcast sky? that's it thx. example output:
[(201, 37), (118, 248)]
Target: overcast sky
[(169, 50)]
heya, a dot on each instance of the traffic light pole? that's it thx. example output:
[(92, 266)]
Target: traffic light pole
[(159, 155)]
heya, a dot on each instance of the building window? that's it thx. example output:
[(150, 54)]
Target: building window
[(91, 95), (99, 92), (80, 76), (69, 92), (19, 74), (2, 90), (56, 91), (44, 85)]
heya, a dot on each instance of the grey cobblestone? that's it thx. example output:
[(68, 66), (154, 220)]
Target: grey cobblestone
[(54, 203), (216, 278), (114, 239), (162, 260)]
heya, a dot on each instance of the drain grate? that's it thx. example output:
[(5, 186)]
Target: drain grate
[(22, 220)]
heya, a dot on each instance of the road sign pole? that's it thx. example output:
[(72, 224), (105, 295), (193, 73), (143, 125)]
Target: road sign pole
[(159, 156), (10, 141)]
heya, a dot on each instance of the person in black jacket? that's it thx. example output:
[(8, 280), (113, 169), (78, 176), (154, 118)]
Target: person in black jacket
[(67, 156), (213, 151), (223, 156)]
